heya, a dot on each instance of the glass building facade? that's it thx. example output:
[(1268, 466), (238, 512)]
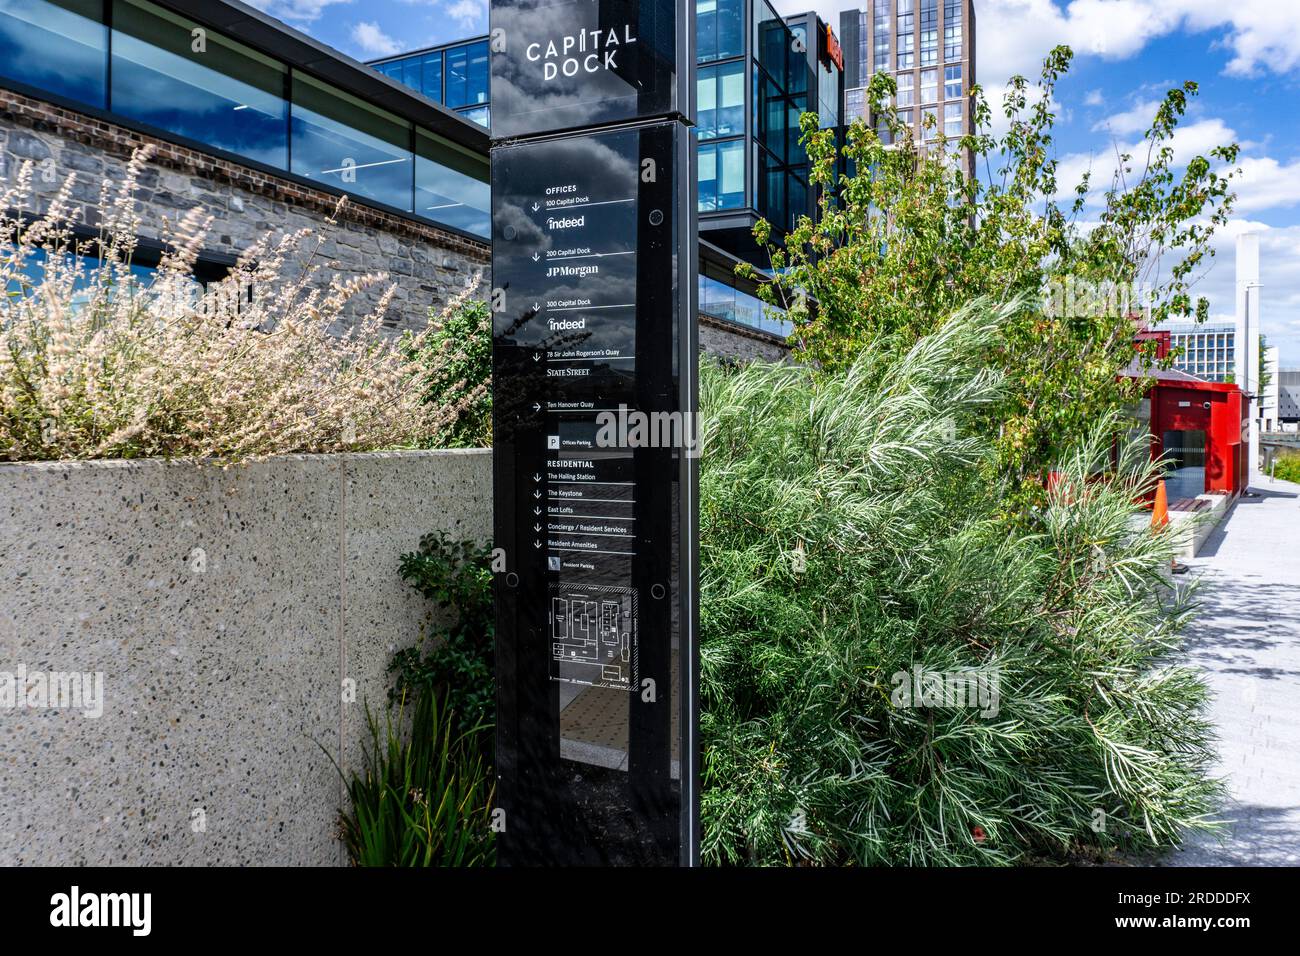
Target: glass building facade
[(455, 75), (928, 47), (755, 74), (150, 68), (1206, 351)]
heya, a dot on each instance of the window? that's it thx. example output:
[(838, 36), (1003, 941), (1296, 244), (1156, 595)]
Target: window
[(451, 185), (350, 145), (952, 82), (431, 76), (719, 29), (906, 89), (724, 301), (952, 29), (59, 46), (411, 73), (720, 93), (952, 41), (929, 86), (906, 51), (467, 75), (929, 124), (227, 96), (929, 32), (952, 120), (478, 114), (880, 51), (906, 41), (722, 175), (855, 106)]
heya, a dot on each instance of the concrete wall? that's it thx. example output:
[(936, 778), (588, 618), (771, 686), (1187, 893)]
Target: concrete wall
[(224, 609), (428, 265)]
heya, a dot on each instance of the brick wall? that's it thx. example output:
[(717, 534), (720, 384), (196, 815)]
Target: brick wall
[(428, 265)]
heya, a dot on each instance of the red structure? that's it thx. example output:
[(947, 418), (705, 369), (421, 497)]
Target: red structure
[(1200, 426)]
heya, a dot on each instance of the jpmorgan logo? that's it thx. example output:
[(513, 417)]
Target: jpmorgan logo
[(587, 51)]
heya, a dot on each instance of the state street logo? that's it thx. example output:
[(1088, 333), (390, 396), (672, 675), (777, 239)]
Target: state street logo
[(587, 51)]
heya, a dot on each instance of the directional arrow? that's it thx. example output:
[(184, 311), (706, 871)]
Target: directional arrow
[(537, 307), (537, 511), (537, 527), (537, 356), (536, 257), (536, 407), (537, 494), (537, 544), (536, 476), (536, 207)]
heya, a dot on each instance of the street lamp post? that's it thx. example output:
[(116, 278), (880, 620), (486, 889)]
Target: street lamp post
[(1250, 378)]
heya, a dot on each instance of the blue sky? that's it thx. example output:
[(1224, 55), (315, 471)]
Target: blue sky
[(1245, 55)]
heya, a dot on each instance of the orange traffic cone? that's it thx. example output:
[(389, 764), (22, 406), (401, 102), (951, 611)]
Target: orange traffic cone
[(1160, 513), (1160, 519)]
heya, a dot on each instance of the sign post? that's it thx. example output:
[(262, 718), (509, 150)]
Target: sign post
[(594, 411)]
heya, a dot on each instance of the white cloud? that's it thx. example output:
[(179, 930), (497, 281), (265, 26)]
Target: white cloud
[(1094, 98), (374, 41), (1135, 120), (468, 13), (1013, 36), (296, 11), (1267, 184)]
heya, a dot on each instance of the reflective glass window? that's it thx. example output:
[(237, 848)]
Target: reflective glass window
[(451, 185), (348, 144), (211, 90), (59, 46)]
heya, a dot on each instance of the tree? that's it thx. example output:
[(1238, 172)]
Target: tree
[(905, 238)]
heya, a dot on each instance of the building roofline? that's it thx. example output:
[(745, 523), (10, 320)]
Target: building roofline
[(277, 39), (420, 51)]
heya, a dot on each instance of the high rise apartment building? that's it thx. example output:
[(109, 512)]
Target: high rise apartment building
[(928, 46)]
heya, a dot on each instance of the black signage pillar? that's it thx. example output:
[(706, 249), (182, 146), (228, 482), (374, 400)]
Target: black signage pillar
[(594, 375)]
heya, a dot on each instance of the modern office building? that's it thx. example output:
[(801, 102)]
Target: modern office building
[(1207, 351), (265, 128), (455, 75), (1288, 396), (261, 126), (756, 74), (928, 46)]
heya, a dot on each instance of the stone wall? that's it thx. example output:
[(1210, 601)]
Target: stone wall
[(224, 609), (429, 266), (728, 340)]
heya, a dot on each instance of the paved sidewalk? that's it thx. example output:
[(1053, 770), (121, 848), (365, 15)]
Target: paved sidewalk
[(1247, 637)]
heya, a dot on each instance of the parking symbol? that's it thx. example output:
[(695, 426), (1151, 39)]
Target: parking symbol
[(553, 441)]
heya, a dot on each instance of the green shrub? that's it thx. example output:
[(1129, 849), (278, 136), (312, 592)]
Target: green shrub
[(850, 534), (454, 660), (1287, 467), (457, 363), (424, 798)]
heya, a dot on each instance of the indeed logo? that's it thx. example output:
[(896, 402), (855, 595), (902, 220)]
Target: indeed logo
[(588, 51), (103, 909), (565, 222)]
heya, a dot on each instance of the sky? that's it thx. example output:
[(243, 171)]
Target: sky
[(1245, 55)]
